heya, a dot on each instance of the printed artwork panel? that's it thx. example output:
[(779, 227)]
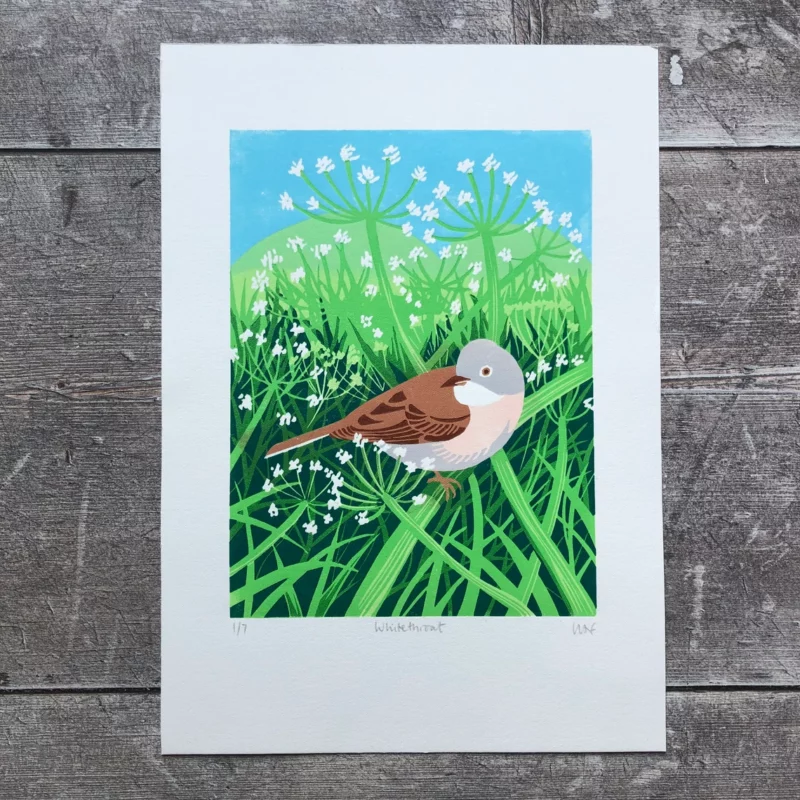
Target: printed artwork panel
[(411, 374)]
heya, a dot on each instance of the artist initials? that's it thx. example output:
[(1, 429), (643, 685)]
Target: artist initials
[(579, 629)]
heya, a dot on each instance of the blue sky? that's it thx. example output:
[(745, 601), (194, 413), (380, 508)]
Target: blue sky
[(559, 162)]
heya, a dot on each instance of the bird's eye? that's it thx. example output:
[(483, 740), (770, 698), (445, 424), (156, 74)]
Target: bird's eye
[(486, 371)]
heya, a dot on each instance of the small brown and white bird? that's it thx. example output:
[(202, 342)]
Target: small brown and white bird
[(446, 419)]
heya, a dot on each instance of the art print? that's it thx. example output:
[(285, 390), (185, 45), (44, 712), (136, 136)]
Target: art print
[(411, 400), (411, 374)]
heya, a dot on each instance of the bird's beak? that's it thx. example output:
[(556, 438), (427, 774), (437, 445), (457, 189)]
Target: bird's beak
[(456, 380)]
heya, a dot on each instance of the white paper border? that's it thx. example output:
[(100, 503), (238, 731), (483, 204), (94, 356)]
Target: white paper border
[(484, 684)]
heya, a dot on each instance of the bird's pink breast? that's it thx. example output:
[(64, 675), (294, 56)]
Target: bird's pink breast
[(487, 424)]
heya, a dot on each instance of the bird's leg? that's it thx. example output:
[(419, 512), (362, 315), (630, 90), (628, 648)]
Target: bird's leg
[(448, 484)]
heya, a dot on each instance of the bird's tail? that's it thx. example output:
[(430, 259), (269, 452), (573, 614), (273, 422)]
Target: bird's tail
[(299, 441)]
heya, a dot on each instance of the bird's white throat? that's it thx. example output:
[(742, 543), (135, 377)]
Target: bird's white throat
[(473, 394)]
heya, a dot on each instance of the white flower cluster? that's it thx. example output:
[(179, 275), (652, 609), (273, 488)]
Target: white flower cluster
[(259, 281), (430, 212), (335, 484), (391, 154), (544, 366), (322, 250), (440, 191), (270, 259), (367, 175), (491, 164), (559, 280), (545, 216), (419, 174)]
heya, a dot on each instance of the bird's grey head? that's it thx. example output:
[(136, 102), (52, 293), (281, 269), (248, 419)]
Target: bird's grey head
[(491, 367)]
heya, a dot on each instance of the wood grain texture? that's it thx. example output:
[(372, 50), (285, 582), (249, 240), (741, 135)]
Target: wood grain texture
[(730, 266), (719, 744), (729, 69), (79, 418), (84, 73)]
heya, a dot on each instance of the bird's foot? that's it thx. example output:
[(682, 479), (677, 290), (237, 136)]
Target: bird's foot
[(448, 484)]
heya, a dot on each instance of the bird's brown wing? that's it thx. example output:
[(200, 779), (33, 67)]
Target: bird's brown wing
[(420, 410)]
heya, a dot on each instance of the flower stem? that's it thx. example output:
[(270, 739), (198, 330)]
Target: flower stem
[(383, 279), (333, 220), (462, 238), (457, 212), (341, 209), (511, 217), (494, 309), (457, 228), (401, 200), (491, 196), (385, 184), (353, 188), (502, 205), (477, 194), (338, 191)]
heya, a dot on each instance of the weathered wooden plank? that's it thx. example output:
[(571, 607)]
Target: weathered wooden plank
[(79, 360), (731, 533), (79, 269), (79, 272), (719, 745), (728, 68), (101, 86), (730, 270), (84, 73)]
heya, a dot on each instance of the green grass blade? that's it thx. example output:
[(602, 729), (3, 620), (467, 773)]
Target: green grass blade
[(409, 351), (276, 534), (472, 592), (580, 507), (250, 575), (420, 533), (292, 572), (383, 573), (319, 589), (432, 590), (572, 590), (533, 585), (557, 388), (417, 578), (252, 425), (530, 576)]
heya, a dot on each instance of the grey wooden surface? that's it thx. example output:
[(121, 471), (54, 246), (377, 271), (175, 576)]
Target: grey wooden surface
[(79, 398), (84, 73), (104, 747)]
